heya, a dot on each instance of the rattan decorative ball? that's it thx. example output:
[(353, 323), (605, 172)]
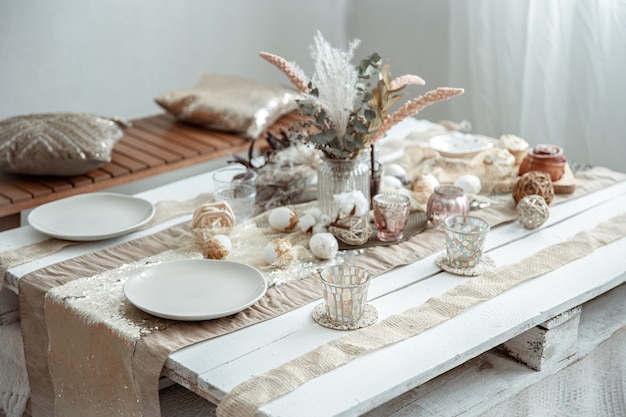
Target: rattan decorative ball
[(534, 183), (532, 211)]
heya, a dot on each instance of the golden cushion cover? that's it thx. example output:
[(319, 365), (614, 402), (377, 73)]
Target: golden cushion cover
[(230, 103)]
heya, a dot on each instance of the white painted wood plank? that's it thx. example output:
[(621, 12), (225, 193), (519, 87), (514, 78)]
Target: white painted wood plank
[(491, 379), (491, 317), (540, 348)]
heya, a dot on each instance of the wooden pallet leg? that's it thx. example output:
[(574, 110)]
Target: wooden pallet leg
[(548, 343)]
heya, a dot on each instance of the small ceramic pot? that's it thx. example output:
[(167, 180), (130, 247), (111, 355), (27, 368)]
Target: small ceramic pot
[(545, 158)]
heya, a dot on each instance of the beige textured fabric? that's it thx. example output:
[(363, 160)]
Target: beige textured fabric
[(60, 144), (169, 209), (114, 351), (34, 286), (246, 398), (164, 210), (30, 253)]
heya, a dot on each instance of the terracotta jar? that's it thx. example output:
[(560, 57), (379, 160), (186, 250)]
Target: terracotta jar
[(545, 158)]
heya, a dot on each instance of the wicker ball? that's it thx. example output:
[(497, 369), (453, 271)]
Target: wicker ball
[(534, 183), (532, 211)]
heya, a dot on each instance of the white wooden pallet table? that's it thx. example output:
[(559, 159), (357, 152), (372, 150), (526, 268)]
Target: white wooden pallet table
[(214, 367)]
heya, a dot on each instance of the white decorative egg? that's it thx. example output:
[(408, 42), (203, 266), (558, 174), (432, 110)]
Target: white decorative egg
[(324, 245), (395, 170), (283, 219), (275, 249), (217, 247), (389, 181), (425, 183), (469, 183)]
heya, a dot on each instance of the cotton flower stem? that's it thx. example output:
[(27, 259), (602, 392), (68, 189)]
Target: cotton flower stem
[(414, 106), (288, 69)]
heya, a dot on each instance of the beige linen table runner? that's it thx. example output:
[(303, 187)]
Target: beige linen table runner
[(140, 354)]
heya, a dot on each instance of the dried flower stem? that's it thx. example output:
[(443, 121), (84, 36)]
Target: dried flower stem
[(407, 79), (292, 72), (414, 106)]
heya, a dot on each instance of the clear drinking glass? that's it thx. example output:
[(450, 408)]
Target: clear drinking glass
[(391, 214), (236, 186), (345, 293), (445, 201)]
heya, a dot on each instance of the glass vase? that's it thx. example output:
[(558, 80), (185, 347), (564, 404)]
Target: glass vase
[(336, 176)]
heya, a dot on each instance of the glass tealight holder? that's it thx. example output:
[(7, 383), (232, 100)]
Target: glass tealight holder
[(446, 201), (465, 240), (391, 214), (345, 293)]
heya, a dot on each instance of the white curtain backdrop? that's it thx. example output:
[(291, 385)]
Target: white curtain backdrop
[(550, 71)]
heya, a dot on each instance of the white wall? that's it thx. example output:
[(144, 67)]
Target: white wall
[(413, 36), (112, 57)]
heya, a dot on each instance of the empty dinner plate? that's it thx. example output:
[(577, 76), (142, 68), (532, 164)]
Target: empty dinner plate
[(195, 289), (93, 216), (459, 144)]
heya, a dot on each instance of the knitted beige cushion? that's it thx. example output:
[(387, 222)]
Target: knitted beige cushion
[(60, 144)]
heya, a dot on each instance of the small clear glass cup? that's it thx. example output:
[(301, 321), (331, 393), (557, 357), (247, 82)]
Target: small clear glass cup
[(391, 215), (236, 186), (345, 293), (446, 201), (465, 240)]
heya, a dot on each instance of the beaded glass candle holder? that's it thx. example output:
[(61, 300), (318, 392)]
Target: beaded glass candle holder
[(465, 239), (391, 214), (345, 295)]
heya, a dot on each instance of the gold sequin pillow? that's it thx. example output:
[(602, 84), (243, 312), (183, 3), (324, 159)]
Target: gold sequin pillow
[(59, 144), (230, 103)]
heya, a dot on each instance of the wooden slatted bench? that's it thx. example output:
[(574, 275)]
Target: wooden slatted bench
[(153, 145)]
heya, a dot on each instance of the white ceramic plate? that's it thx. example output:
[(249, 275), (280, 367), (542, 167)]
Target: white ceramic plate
[(195, 289), (459, 145), (93, 216)]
